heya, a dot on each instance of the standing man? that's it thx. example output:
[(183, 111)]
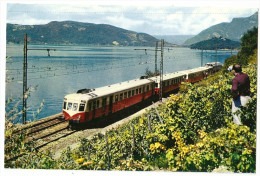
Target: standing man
[(240, 91)]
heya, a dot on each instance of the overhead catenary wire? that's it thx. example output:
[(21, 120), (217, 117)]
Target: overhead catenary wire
[(41, 72), (54, 71)]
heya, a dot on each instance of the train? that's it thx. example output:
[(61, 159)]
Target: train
[(89, 104)]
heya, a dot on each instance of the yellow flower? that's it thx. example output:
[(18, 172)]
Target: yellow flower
[(87, 163), (79, 161), (141, 122), (202, 134), (200, 144)]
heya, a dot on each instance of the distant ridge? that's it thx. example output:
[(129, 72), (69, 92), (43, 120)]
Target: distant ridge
[(216, 42), (71, 32), (233, 30)]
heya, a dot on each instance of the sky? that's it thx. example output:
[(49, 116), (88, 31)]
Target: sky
[(160, 19)]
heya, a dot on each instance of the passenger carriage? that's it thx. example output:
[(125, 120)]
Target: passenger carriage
[(197, 74), (171, 82), (213, 67), (86, 105)]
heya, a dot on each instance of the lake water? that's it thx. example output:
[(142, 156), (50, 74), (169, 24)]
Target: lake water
[(70, 68)]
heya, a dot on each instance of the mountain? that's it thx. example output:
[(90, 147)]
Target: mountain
[(233, 30), (70, 32), (174, 39), (216, 42)]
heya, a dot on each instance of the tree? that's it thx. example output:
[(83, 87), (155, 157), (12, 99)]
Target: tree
[(248, 46)]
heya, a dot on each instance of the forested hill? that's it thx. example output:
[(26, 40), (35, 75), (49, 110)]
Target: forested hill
[(233, 30), (216, 43), (70, 32)]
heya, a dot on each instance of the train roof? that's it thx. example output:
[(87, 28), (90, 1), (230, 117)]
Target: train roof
[(169, 76), (108, 90), (213, 64), (196, 70)]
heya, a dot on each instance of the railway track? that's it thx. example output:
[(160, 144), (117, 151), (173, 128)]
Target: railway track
[(44, 132)]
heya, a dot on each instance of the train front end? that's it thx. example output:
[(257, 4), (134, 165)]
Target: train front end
[(74, 108)]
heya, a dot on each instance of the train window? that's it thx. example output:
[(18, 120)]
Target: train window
[(125, 95), (133, 92), (140, 90), (89, 106), (116, 98), (104, 102), (129, 93), (69, 106), (121, 96), (81, 107), (64, 105), (163, 84), (156, 85), (75, 106), (168, 83), (97, 103), (136, 91), (147, 88)]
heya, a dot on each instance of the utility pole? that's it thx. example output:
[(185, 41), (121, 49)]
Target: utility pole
[(201, 57), (161, 73), (25, 66), (155, 61), (161, 64), (25, 78), (216, 57)]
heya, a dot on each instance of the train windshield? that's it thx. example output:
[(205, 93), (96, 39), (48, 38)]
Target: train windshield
[(75, 106), (69, 106), (72, 106)]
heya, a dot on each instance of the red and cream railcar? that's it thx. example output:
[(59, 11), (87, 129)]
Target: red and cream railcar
[(196, 74), (171, 81), (85, 106), (213, 67)]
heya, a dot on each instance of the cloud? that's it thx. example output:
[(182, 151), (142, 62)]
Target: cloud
[(164, 20)]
